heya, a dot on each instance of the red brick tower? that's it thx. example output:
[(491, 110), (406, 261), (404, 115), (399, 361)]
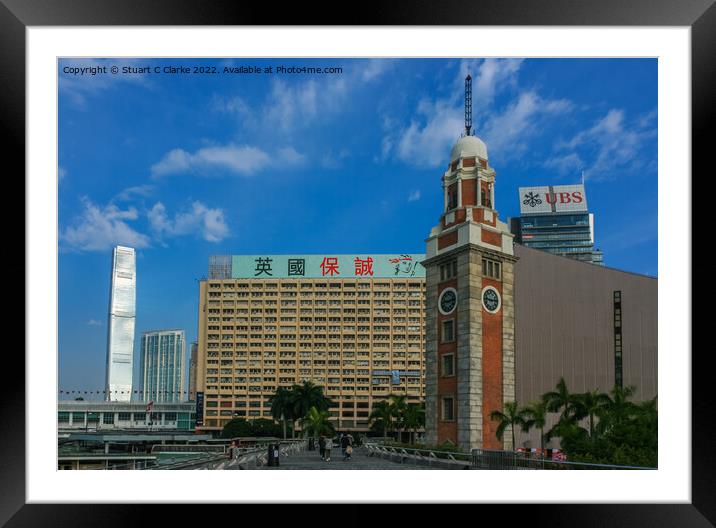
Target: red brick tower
[(470, 307)]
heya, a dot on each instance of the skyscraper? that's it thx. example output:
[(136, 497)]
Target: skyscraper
[(162, 366), (120, 330), (556, 219)]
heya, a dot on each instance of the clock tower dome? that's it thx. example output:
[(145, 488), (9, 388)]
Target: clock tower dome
[(470, 366)]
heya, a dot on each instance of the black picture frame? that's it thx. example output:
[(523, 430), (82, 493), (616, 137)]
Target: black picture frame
[(699, 15)]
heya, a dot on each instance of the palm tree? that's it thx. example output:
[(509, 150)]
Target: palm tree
[(617, 407), (560, 400), (281, 407), (382, 416), (590, 404), (536, 414), (397, 406), (513, 416), (413, 417), (308, 395), (316, 423)]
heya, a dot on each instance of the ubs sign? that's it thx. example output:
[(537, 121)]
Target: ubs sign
[(553, 199)]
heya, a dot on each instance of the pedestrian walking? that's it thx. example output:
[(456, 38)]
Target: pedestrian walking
[(345, 443), (322, 447), (329, 446), (341, 443)]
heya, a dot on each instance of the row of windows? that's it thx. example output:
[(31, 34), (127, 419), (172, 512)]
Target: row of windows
[(109, 418), (319, 285)]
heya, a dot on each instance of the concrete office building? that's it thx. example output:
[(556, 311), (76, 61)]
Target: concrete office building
[(162, 366), (353, 324), (120, 329), (556, 219)]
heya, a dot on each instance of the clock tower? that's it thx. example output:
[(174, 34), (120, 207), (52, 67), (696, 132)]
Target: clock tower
[(470, 361)]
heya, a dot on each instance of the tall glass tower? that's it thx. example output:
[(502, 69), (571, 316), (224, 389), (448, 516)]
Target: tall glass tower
[(120, 330), (556, 219), (162, 366)]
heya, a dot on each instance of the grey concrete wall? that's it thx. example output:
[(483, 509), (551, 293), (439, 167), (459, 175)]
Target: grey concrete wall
[(564, 327)]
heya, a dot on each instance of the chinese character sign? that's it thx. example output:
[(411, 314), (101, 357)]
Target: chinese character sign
[(296, 267), (327, 266), (364, 267), (263, 265)]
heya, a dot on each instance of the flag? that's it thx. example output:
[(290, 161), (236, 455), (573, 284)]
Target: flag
[(149, 405)]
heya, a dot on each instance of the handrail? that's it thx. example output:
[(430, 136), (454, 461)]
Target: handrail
[(498, 459), (432, 453)]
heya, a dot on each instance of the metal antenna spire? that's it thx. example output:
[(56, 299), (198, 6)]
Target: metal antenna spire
[(468, 104)]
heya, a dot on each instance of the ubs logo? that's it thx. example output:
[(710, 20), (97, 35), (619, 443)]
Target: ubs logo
[(532, 199)]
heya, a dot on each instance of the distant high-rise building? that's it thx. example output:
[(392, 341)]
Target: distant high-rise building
[(556, 219), (120, 330), (162, 366), (192, 370)]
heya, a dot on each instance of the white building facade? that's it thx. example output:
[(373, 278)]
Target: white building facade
[(162, 366), (120, 330)]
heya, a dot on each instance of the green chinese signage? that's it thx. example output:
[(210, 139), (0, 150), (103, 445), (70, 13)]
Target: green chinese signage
[(365, 266)]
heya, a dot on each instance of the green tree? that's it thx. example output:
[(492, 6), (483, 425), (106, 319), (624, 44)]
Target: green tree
[(620, 432), (413, 418), (590, 405), (512, 417), (259, 428), (560, 399), (618, 408), (316, 423), (536, 416), (381, 417), (305, 396), (282, 408), (397, 406)]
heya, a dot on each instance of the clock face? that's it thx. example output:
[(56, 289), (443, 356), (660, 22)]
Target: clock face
[(491, 299), (448, 301)]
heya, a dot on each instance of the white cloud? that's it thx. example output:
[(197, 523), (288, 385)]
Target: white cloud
[(493, 75), (414, 196), (567, 164), (611, 144), (289, 156), (374, 68), (506, 133), (427, 144), (290, 108), (209, 223), (139, 190), (243, 160), (94, 322), (427, 140), (61, 173), (100, 229), (334, 161)]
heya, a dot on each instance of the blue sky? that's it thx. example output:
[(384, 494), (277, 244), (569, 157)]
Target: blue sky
[(185, 166)]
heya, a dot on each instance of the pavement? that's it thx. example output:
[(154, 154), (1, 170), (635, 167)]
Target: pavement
[(359, 460)]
